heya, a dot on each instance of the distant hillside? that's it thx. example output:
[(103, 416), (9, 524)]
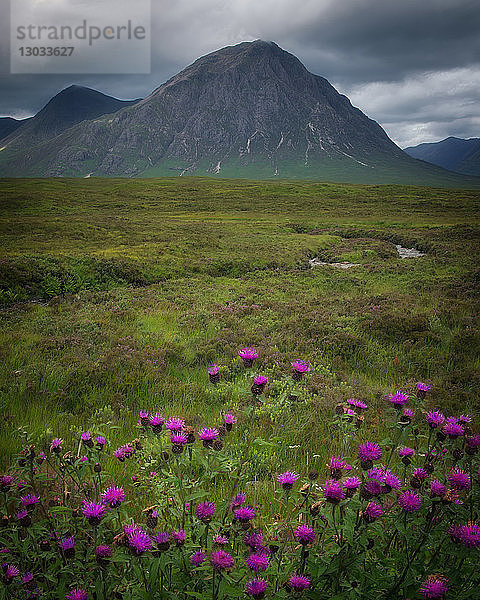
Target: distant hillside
[(69, 107), (455, 154), (9, 125)]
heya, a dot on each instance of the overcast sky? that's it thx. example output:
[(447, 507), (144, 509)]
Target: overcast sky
[(412, 65)]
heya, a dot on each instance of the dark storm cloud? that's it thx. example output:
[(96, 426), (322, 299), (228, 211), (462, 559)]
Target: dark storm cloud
[(413, 66)]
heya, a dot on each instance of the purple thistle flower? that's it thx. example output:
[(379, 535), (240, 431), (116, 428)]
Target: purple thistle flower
[(156, 420), (67, 546), (305, 534), (178, 439), (459, 480), (103, 551), (213, 370), (369, 451), (220, 540), (208, 434), (238, 500), (162, 537), (139, 542), (113, 496), (358, 404), (56, 445), (474, 441), (422, 387), (77, 594), (371, 488), (435, 587), (398, 399), (101, 441), (127, 450), (372, 512), (120, 454), (435, 419), (93, 511), (175, 424), (437, 488), (299, 582), (337, 464), (469, 534), (27, 578), (244, 514), (256, 588), (300, 366), (408, 413), (287, 479), (420, 474), (406, 452), (333, 491), (221, 560), (375, 473), (204, 511), (465, 419), (198, 558), (179, 537), (260, 380), (453, 429), (6, 482), (29, 500), (351, 485), (392, 481), (24, 517), (130, 528), (86, 438), (67, 543), (248, 355), (253, 540), (258, 562), (230, 419), (10, 572), (409, 501)]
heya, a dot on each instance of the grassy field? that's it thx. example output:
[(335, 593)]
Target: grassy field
[(117, 295)]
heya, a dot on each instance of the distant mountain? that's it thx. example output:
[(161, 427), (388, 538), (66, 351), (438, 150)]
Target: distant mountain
[(8, 125), (69, 107), (251, 110), (455, 154)]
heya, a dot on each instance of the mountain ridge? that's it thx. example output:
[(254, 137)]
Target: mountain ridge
[(251, 110), (456, 154)]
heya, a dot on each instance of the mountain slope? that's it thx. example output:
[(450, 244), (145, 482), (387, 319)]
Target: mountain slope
[(451, 153), (69, 107), (250, 110), (9, 125)]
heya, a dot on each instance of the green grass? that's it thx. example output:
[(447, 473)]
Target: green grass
[(159, 278)]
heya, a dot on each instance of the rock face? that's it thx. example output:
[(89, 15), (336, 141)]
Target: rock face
[(451, 153), (250, 110)]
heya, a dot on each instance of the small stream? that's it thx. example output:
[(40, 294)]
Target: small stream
[(408, 252), (402, 253)]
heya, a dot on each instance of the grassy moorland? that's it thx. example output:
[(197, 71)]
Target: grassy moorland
[(137, 286), (116, 297)]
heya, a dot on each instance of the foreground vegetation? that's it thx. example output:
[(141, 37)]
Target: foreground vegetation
[(117, 296), (389, 521)]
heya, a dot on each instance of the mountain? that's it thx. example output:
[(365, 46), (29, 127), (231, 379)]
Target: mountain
[(250, 110), (68, 108), (8, 125), (455, 154)]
